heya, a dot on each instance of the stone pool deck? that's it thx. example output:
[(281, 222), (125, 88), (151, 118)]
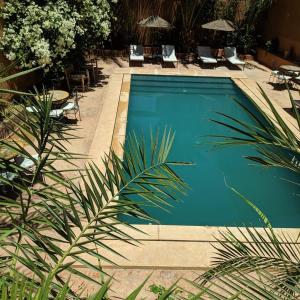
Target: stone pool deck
[(170, 252)]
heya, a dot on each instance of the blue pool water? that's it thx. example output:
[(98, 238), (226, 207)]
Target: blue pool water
[(186, 104)]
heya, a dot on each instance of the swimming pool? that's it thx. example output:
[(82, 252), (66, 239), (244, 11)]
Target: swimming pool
[(187, 105)]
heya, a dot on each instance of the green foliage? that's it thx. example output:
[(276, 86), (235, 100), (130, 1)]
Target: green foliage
[(246, 15), (43, 33), (187, 17), (277, 144), (54, 218)]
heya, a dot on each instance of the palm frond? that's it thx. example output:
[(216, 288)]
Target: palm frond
[(260, 284), (276, 143), (251, 251), (60, 221)]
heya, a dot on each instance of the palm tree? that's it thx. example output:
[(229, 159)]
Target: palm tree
[(51, 220)]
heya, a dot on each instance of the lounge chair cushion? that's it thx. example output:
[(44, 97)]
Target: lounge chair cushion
[(168, 53), (136, 53), (235, 61), (231, 56), (69, 106), (204, 54), (26, 162)]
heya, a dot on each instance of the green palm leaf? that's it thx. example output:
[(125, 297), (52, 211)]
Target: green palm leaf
[(65, 219), (276, 143), (251, 251)]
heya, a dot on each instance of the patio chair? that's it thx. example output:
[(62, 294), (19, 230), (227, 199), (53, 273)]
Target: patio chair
[(231, 56), (168, 54), (54, 113), (91, 64), (136, 53), (204, 54), (72, 106), (79, 80)]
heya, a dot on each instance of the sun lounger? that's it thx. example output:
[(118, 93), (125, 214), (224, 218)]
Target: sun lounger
[(231, 56), (204, 54), (168, 54), (54, 113), (136, 53), (26, 162)]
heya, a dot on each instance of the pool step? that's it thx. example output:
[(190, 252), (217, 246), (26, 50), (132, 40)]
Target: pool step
[(180, 85)]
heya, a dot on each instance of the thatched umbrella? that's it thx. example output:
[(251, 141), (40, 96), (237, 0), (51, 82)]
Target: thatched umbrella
[(155, 22), (219, 25)]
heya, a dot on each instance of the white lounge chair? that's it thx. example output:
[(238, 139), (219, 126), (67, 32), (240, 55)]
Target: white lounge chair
[(204, 54), (25, 162), (54, 113), (136, 53), (231, 56), (168, 54)]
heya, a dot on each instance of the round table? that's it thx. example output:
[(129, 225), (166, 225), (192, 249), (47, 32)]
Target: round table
[(59, 97)]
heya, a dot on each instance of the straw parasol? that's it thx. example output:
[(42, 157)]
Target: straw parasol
[(219, 25), (155, 22)]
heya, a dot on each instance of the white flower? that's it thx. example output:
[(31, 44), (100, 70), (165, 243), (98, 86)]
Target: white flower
[(43, 34)]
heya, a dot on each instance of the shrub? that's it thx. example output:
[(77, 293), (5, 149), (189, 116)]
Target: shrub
[(43, 33)]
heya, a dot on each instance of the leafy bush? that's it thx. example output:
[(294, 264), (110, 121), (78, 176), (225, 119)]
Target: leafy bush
[(40, 32)]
